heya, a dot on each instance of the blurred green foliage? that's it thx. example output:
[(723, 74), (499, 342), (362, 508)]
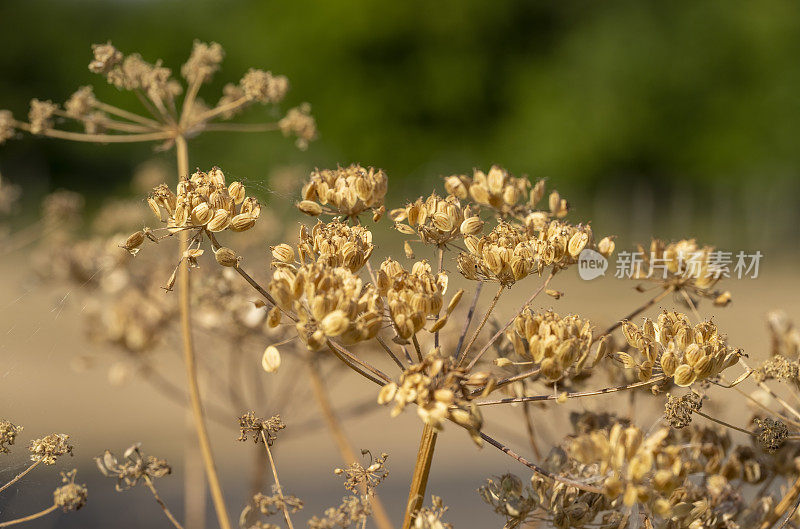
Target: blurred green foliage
[(581, 91)]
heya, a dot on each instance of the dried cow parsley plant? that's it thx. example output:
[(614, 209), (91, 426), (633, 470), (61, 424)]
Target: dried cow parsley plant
[(8, 434), (249, 424), (47, 449), (70, 496), (133, 468)]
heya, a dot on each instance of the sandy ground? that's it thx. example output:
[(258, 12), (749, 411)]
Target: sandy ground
[(41, 332)]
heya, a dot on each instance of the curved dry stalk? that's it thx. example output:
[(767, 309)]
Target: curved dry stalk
[(29, 517), (500, 332), (483, 321), (149, 483), (573, 395), (277, 481), (99, 138), (343, 444), (652, 301), (539, 470), (190, 361), (526, 413), (355, 360), (468, 321), (419, 480), (723, 423), (20, 475)]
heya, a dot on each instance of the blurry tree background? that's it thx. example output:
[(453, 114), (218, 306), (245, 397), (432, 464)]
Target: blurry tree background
[(667, 117)]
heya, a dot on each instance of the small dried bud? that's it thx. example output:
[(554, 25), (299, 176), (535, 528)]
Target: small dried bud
[(6, 126), (70, 497), (310, 208), (264, 87), (271, 360), (133, 242), (226, 257), (283, 253)]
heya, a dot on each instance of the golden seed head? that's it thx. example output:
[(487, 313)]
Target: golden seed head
[(347, 191), (271, 359), (226, 257)]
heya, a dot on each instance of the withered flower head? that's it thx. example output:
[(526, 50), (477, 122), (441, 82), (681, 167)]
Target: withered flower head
[(7, 128), (412, 296), (264, 87), (431, 517), (770, 433), (685, 353), (441, 392), (203, 62), (82, 103), (330, 302), (49, 448), (204, 200), (436, 220), (353, 511), (333, 244), (505, 255), (559, 345), (249, 424), (41, 115), (106, 57), (678, 410), (347, 191), (357, 475), (300, 123), (71, 496), (8, 434), (135, 466)]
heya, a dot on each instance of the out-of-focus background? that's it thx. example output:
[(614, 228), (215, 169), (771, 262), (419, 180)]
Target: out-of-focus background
[(668, 119)]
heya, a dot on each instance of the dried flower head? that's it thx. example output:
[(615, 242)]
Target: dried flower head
[(264, 87), (71, 496), (678, 410), (268, 505), (106, 57), (437, 220), (203, 62), (81, 104), (431, 517), (205, 201), (505, 255), (685, 353), (558, 345), (249, 424), (7, 127), (770, 433), (441, 392), (47, 449), (135, 466), (330, 302), (369, 477), (352, 512), (412, 296), (300, 123), (347, 191), (8, 434), (333, 244), (41, 115), (780, 368)]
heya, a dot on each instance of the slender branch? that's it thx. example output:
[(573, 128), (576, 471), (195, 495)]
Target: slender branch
[(526, 413), (417, 346), (190, 361), (723, 423), (110, 109), (647, 305), (419, 480), (439, 268), (350, 356), (539, 470), (188, 101), (98, 138), (29, 517), (510, 380), (277, 481), (483, 321), (149, 483), (214, 112), (500, 332), (20, 475), (468, 321), (573, 395), (109, 123), (338, 433), (354, 367), (788, 407), (390, 353), (240, 127)]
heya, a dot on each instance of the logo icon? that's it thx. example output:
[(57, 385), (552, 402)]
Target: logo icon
[(591, 265)]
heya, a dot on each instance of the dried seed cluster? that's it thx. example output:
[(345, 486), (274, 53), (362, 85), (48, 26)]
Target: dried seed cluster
[(8, 434), (685, 353), (134, 467), (333, 244), (436, 220), (770, 433), (347, 191), (369, 477), (204, 200), (249, 424), (47, 449), (556, 344), (70, 496), (678, 410), (329, 302), (505, 255), (411, 296), (440, 391)]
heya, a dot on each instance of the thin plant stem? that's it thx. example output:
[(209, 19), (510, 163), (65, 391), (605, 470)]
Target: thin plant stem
[(765, 408), (468, 321), (483, 321), (500, 332), (354, 367), (149, 483), (417, 346), (542, 472), (214, 112), (390, 353), (350, 356), (110, 124), (240, 127), (343, 444), (790, 499), (422, 469), (652, 301), (788, 407), (723, 423), (110, 109), (573, 395), (20, 475), (99, 138), (277, 481), (29, 517), (188, 101), (190, 361), (439, 267), (526, 413)]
